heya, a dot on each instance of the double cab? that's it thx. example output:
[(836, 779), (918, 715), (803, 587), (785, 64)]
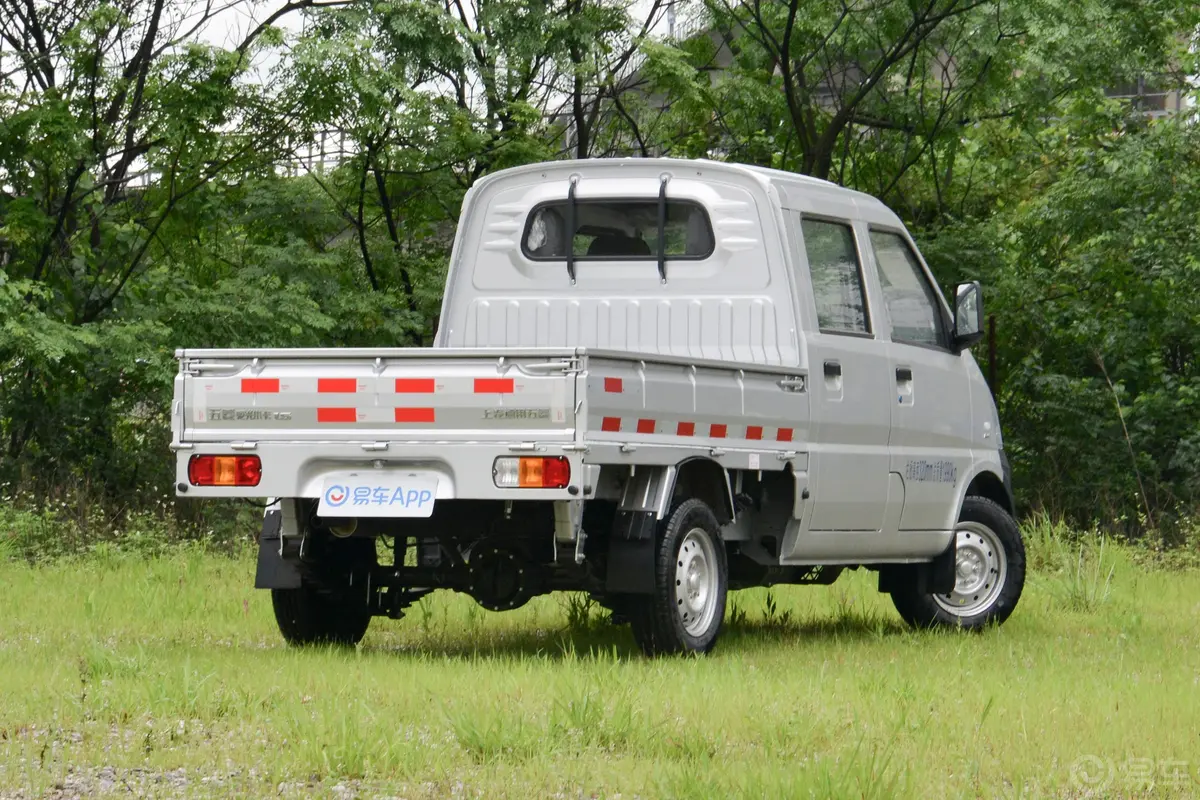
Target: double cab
[(654, 381)]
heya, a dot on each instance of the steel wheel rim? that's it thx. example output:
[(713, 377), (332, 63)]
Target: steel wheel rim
[(696, 582), (980, 568)]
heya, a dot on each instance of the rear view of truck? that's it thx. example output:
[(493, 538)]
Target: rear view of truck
[(501, 474), (649, 385), (445, 453)]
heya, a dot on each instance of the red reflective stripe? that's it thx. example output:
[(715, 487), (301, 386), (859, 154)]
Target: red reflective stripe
[(414, 386), (614, 385), (645, 426), (260, 385), (754, 432), (494, 386), (785, 435), (337, 415), (686, 429), (337, 385), (415, 415), (610, 424), (718, 431)]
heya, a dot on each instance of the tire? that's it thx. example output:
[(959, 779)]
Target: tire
[(308, 617), (673, 620), (990, 572)]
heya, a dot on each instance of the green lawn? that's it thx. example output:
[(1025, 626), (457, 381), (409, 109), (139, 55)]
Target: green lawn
[(167, 676)]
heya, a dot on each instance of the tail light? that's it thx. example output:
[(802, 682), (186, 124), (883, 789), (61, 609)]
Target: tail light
[(532, 473), (225, 470)]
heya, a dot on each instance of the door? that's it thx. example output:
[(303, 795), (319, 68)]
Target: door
[(931, 401), (849, 385)]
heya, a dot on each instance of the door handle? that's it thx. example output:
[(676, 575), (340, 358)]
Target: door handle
[(904, 374), (833, 369), (792, 384)]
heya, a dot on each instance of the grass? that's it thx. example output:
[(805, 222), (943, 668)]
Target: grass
[(165, 675)]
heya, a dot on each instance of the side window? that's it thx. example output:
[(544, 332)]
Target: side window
[(836, 276), (911, 303)]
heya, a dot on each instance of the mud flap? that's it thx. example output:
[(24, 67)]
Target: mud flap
[(934, 577), (939, 574), (275, 570), (631, 553)]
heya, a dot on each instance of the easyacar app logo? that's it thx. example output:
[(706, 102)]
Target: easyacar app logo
[(336, 495)]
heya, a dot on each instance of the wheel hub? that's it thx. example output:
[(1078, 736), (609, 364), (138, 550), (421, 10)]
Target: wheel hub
[(980, 568), (971, 570), (695, 579)]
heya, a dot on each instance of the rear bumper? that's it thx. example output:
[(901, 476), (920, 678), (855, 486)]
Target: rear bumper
[(464, 471)]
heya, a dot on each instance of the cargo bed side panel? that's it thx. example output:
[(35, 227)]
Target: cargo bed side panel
[(710, 405)]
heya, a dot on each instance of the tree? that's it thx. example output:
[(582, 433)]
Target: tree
[(95, 96), (101, 95), (862, 92), (1093, 271)]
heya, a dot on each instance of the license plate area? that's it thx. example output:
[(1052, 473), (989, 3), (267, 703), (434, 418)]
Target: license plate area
[(374, 493)]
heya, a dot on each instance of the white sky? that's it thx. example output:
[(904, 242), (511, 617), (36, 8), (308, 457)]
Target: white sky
[(230, 25)]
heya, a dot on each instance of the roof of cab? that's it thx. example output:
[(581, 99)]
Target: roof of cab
[(763, 175)]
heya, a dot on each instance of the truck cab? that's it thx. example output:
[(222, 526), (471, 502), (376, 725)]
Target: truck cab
[(654, 380)]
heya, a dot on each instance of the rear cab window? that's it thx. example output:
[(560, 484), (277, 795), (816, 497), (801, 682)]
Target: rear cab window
[(836, 277), (911, 302), (617, 230)]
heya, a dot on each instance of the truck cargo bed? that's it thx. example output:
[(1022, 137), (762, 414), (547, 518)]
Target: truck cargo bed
[(309, 413)]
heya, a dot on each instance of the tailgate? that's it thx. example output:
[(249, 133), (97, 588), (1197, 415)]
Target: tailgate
[(417, 394)]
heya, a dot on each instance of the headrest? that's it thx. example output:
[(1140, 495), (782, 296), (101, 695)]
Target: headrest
[(618, 245)]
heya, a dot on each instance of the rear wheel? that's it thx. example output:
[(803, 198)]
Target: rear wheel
[(330, 606), (989, 573), (306, 616), (685, 612)]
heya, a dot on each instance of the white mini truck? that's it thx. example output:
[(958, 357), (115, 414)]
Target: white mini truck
[(654, 380)]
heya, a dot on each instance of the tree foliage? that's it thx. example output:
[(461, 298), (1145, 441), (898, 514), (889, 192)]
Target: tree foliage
[(1095, 276), (865, 92), (143, 206)]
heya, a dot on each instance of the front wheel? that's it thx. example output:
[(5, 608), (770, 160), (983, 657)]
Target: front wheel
[(989, 573), (685, 612)]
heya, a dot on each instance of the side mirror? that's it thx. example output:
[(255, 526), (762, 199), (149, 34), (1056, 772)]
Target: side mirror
[(968, 314)]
